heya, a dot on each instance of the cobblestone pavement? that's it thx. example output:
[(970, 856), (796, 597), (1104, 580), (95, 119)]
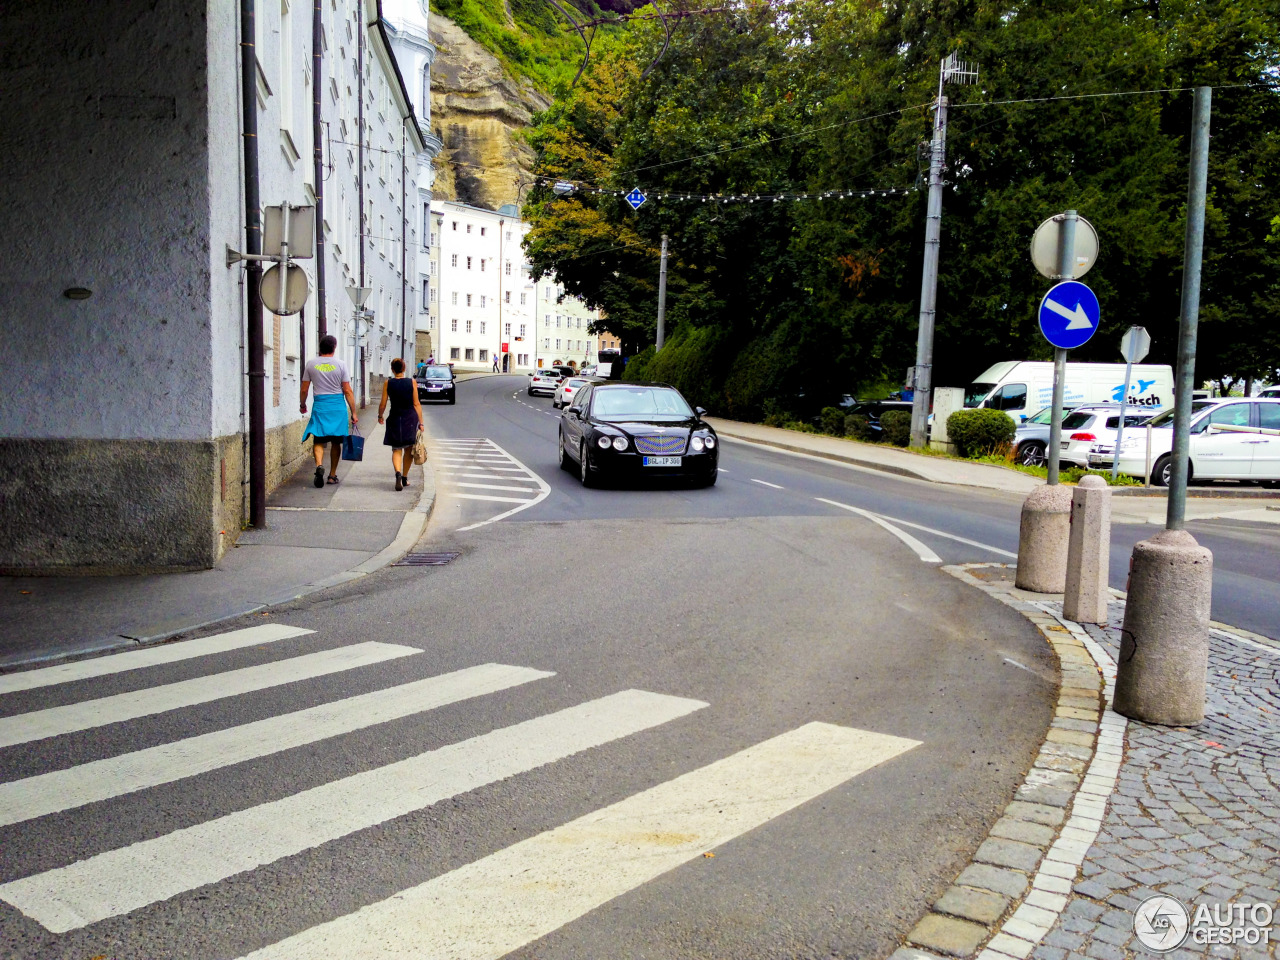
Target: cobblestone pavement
[(1114, 812), (1195, 814)]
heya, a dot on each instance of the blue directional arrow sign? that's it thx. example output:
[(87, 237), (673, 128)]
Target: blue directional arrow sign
[(635, 198), (1069, 314)]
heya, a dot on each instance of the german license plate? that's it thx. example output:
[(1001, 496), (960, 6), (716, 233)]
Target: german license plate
[(662, 461), (434, 389)]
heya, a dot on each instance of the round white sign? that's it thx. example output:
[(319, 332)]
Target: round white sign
[(1044, 248), (1161, 923)]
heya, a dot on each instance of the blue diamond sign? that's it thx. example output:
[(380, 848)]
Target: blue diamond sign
[(635, 198), (1069, 314)]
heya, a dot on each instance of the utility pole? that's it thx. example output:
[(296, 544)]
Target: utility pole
[(662, 296), (1066, 271), (253, 246), (953, 71)]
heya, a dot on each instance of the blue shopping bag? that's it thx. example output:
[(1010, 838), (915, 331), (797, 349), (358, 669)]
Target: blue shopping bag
[(353, 447)]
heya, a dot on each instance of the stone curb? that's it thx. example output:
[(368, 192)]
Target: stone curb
[(1014, 892)]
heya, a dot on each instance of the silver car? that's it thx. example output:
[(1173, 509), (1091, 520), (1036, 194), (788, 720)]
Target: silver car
[(568, 387), (544, 381)]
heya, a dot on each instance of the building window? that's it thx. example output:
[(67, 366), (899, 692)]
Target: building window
[(433, 295), (453, 353), (507, 271), (453, 324), (471, 354), (557, 321), (506, 331), (453, 260), (546, 343), (506, 297), (433, 268), (482, 328), (468, 326), (455, 227), (508, 236), (454, 298), (483, 301), (546, 318), (484, 354), (557, 343), (522, 330), (522, 299), (522, 359), (482, 264), (482, 234), (546, 293), (468, 263), (468, 299), (426, 293)]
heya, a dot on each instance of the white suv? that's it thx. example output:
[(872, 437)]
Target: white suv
[(544, 381), (1235, 438), (1086, 426)]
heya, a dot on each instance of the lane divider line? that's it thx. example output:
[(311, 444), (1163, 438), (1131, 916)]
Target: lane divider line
[(766, 483), (923, 552)]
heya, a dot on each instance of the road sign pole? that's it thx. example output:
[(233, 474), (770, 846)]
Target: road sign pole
[(1193, 254), (1115, 455), (662, 297), (1066, 271)]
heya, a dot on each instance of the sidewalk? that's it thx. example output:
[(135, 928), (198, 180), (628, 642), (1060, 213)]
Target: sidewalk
[(1115, 812), (315, 538), (1130, 505)]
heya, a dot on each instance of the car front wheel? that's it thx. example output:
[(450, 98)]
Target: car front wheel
[(1162, 472), (562, 458), (1031, 454), (584, 466)]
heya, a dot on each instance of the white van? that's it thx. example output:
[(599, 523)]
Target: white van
[(1021, 387)]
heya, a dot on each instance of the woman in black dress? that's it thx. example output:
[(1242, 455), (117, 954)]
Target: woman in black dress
[(404, 421)]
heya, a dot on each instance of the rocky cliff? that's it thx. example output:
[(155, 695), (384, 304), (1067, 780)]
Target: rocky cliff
[(477, 110)]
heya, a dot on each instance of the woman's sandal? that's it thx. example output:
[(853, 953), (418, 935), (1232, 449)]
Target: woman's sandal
[(319, 477), (333, 479)]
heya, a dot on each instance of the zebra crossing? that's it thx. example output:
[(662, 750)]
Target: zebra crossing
[(484, 909), (479, 471)]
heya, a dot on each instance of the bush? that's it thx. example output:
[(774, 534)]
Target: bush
[(896, 425), (832, 421), (980, 432), (858, 426)]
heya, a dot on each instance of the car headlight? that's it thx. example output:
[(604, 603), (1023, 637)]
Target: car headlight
[(710, 443), (604, 442), (696, 444), (619, 443)]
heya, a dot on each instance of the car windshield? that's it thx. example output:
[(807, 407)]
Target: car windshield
[(1043, 417), (976, 393), (648, 403), (1166, 419), (575, 382), (438, 373), (1074, 421)]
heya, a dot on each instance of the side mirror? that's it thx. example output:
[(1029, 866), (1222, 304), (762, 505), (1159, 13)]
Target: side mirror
[(529, 374), (700, 411)]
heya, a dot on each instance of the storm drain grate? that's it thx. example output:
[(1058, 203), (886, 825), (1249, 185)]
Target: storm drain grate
[(426, 559)]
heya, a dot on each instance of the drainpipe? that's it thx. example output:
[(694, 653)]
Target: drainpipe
[(404, 247), (364, 228), (253, 246), (317, 145)]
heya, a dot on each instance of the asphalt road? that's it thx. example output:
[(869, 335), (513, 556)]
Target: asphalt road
[(725, 723)]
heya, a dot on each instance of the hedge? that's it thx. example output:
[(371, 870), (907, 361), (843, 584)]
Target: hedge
[(896, 425), (980, 432)]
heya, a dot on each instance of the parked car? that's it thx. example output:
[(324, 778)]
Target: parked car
[(545, 381), (1018, 386), (437, 383), (1270, 393), (639, 430), (1031, 439), (873, 410), (1086, 426), (565, 370), (587, 370), (568, 387), (1232, 438)]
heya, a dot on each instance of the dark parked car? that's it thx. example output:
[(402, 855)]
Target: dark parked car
[(437, 384), (872, 410), (636, 430)]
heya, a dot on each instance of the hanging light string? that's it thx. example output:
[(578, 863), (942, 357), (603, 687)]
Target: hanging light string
[(862, 194)]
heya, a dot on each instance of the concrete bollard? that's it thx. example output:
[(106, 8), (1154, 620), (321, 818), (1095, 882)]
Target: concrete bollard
[(1089, 552), (1164, 646), (1042, 540)]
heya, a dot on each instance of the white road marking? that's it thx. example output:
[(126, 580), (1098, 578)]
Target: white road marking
[(1020, 666), (150, 657), (126, 879), (73, 717), (952, 536), (490, 486), (922, 551), (765, 483), (60, 790), (544, 490), (482, 496), (498, 904), (491, 476)]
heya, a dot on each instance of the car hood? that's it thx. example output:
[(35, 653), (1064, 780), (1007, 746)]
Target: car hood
[(647, 427)]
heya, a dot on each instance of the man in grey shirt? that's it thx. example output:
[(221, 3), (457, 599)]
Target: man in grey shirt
[(333, 399)]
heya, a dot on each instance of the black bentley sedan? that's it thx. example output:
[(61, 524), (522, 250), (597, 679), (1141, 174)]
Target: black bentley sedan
[(637, 430), (437, 383)]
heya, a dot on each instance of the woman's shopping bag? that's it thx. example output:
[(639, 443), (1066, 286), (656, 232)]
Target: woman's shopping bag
[(420, 449), (353, 447)]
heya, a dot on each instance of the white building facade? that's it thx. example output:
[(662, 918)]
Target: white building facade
[(482, 304), (126, 317)]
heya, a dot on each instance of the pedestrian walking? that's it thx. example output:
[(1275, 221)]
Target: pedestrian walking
[(495, 363), (404, 420), (333, 411)]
